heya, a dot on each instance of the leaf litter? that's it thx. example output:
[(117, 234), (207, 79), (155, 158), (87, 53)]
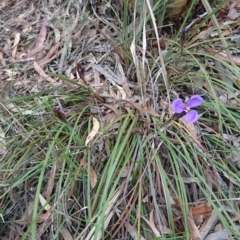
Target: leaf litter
[(55, 40)]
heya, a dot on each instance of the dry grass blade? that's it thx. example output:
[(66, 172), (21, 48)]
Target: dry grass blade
[(108, 215)]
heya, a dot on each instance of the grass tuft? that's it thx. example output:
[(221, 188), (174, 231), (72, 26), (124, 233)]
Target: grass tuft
[(90, 145)]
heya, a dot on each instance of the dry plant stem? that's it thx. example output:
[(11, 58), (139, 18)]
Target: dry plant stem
[(209, 224), (163, 68), (125, 213), (67, 40), (139, 205), (153, 193)]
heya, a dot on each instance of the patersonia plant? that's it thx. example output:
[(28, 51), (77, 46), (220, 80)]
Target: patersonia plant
[(191, 115)]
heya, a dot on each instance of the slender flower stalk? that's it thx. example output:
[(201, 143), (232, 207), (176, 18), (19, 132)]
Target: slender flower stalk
[(191, 115)]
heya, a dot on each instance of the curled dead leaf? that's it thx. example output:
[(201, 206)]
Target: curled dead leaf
[(43, 217), (6, 89), (42, 34), (16, 41), (222, 56), (44, 202), (40, 71), (3, 149), (65, 233), (93, 175), (194, 232), (94, 131)]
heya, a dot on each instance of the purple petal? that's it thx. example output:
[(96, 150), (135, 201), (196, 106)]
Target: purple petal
[(195, 101), (185, 30), (58, 108), (191, 116), (178, 106)]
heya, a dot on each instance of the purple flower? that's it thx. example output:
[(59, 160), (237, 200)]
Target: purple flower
[(185, 30), (57, 108), (191, 115)]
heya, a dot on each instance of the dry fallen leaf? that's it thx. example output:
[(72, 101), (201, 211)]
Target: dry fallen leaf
[(40, 71), (42, 34), (44, 202), (133, 231), (34, 51), (6, 89), (154, 228), (234, 11), (204, 210), (52, 51), (3, 149), (222, 56), (57, 34), (16, 41), (3, 4), (124, 81), (94, 131), (137, 106), (208, 225), (93, 175), (51, 182), (152, 225), (113, 108), (195, 234), (43, 217), (123, 93), (65, 233)]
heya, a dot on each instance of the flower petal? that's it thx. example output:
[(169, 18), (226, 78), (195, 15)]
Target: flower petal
[(191, 116), (178, 106), (194, 101)]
